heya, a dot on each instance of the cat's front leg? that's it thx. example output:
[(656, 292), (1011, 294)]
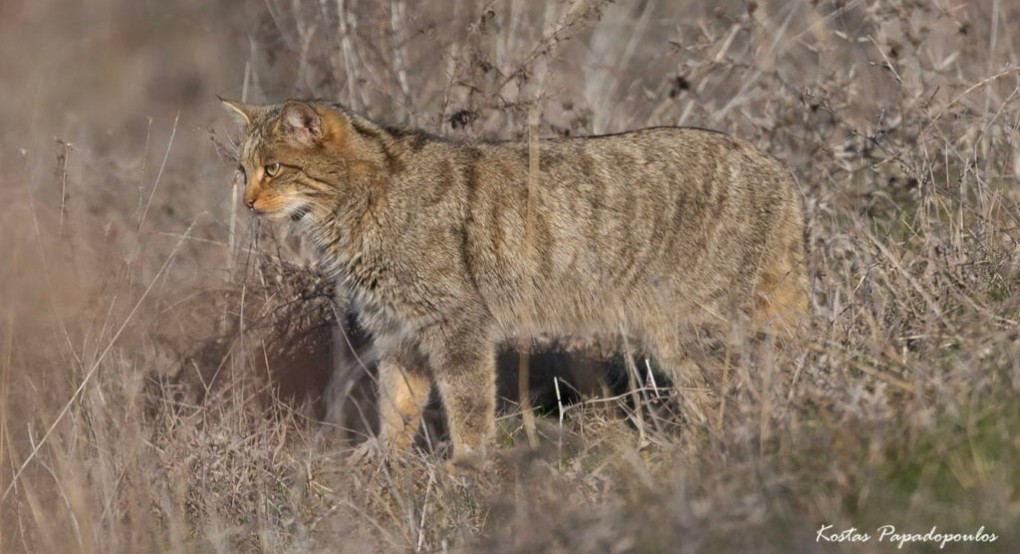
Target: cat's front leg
[(463, 360)]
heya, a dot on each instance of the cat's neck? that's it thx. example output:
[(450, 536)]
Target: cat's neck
[(353, 227)]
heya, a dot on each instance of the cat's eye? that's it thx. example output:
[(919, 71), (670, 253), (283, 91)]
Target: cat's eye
[(273, 169), (240, 177)]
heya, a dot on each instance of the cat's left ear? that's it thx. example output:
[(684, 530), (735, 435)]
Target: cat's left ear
[(301, 124), (243, 113)]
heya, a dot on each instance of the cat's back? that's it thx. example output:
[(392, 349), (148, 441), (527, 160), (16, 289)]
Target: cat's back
[(643, 160)]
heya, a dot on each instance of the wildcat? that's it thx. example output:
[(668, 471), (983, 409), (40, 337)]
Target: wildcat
[(444, 252)]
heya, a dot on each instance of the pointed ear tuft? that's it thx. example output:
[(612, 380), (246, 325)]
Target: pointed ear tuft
[(243, 113), (301, 123)]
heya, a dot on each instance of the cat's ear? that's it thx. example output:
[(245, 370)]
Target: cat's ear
[(243, 113), (301, 124)]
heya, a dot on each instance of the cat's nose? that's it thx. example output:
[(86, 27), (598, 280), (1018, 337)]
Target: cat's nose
[(250, 196)]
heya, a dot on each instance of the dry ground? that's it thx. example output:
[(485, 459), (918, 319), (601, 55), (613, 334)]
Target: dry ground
[(161, 356)]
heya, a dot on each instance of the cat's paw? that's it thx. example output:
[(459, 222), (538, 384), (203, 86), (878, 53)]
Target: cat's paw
[(367, 453), (466, 465)]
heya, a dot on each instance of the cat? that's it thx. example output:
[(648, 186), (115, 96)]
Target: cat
[(447, 247)]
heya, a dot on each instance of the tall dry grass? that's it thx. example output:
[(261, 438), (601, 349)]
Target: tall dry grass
[(162, 355)]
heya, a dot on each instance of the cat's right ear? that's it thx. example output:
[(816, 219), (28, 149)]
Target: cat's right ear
[(243, 113), (302, 125)]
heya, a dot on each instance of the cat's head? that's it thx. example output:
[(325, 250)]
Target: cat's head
[(294, 157)]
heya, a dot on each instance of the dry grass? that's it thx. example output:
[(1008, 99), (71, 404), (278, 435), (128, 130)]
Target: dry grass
[(150, 347)]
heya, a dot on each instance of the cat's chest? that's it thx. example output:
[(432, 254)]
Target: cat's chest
[(379, 293), (381, 280)]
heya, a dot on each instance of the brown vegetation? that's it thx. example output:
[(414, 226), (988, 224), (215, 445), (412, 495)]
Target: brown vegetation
[(151, 333)]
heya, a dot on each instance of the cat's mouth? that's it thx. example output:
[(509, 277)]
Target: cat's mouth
[(293, 214)]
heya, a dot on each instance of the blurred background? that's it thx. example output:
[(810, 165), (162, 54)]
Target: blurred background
[(164, 359)]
